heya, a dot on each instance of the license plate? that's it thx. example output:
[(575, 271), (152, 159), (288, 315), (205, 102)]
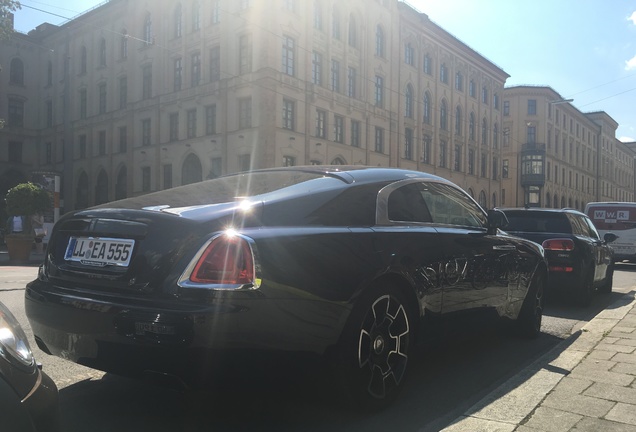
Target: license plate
[(142, 328), (100, 251)]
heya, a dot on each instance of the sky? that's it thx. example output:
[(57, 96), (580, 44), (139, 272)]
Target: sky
[(583, 49)]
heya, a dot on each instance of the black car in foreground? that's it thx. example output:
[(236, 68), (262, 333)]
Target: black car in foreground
[(28, 397), (579, 261), (337, 262)]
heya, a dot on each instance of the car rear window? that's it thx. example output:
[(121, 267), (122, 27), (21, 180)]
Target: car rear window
[(532, 221)]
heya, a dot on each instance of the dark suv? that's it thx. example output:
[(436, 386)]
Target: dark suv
[(579, 261)]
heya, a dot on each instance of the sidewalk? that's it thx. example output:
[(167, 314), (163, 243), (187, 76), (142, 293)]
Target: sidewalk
[(586, 383)]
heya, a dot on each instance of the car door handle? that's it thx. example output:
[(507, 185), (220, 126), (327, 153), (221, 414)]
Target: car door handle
[(504, 247)]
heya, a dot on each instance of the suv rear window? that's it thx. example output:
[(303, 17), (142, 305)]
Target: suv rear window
[(533, 221)]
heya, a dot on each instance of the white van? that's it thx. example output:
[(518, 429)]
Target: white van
[(619, 218)]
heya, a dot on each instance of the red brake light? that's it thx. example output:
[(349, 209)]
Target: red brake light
[(227, 260), (558, 244)]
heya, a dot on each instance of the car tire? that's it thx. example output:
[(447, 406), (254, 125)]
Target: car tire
[(374, 349), (606, 288), (531, 315)]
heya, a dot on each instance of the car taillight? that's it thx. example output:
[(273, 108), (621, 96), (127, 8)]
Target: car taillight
[(558, 244), (227, 260)]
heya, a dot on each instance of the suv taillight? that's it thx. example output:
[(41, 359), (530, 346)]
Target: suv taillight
[(558, 244), (227, 260)]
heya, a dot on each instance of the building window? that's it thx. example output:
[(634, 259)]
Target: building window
[(495, 136), (145, 179), (427, 108), (178, 74), (443, 73), (289, 161), (495, 101), (352, 82), (531, 135), (82, 146), (426, 149), (83, 103), (379, 139), (147, 30), (408, 99), (379, 91), (409, 54), (316, 68), (355, 133), (288, 114), (484, 95), (335, 76), (195, 71), (495, 164), (174, 127), (145, 132), (102, 52), (216, 11), (123, 92), (471, 162), (379, 42), (443, 154), (443, 116), (321, 124), (317, 15), (457, 165), (167, 176), (146, 82), (458, 121), (289, 56), (215, 63), (49, 113), (102, 98), (335, 25), (484, 165), (178, 29), (49, 153), (123, 46), (245, 113), (408, 143), (210, 120), (532, 107), (428, 65), (191, 118), (471, 127), (484, 132), (123, 139), (504, 168), (244, 162), (15, 152), (472, 91), (338, 129), (196, 17), (216, 167), (245, 54), (506, 108), (101, 143), (353, 32), (459, 82)]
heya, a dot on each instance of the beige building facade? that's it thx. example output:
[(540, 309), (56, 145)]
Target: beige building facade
[(557, 156), (138, 96)]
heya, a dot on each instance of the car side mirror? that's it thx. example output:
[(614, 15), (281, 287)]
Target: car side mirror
[(609, 237), (496, 219)]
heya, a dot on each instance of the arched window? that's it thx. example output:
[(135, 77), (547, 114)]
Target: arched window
[(484, 132), (147, 37), (196, 16), (483, 202), (495, 136), (178, 28), (548, 201), (443, 115), (556, 201), (427, 108), (408, 98), (81, 193), (458, 120), (494, 200), (191, 171), (123, 45), (471, 127), (16, 72), (353, 32), (471, 193), (338, 161), (562, 202), (101, 188), (122, 184), (569, 202), (335, 24), (379, 41)]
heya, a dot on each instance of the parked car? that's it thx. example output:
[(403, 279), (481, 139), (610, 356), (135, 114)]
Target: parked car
[(579, 261), (28, 397), (337, 262), (618, 218)]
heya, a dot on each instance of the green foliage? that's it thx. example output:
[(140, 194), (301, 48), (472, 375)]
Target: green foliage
[(7, 7), (27, 199)]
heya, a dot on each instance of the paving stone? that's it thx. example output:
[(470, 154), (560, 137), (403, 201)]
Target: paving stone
[(627, 368), (624, 357), (611, 393), (615, 347), (573, 385), (599, 375), (623, 413), (552, 420), (472, 424), (622, 341), (601, 355), (578, 404), (599, 425)]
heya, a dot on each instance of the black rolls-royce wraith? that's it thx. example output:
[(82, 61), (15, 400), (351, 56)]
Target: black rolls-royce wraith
[(341, 262)]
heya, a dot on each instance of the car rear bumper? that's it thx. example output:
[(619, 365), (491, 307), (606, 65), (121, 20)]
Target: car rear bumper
[(186, 340)]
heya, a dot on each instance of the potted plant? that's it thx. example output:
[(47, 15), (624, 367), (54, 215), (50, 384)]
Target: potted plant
[(25, 200)]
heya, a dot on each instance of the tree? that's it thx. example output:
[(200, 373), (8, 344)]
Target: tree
[(7, 7)]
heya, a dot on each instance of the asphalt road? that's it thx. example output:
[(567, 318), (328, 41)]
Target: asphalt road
[(446, 377)]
